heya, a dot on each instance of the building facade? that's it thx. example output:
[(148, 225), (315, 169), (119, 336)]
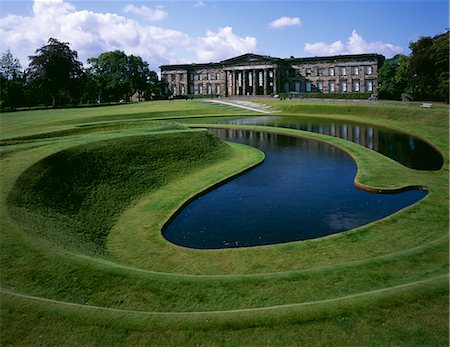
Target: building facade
[(252, 74)]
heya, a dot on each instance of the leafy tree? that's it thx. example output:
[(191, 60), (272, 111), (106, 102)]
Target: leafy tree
[(138, 74), (120, 76), (111, 70), (56, 71), (429, 65), (394, 77), (11, 81)]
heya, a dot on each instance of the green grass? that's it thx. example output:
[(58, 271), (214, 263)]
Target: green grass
[(95, 270)]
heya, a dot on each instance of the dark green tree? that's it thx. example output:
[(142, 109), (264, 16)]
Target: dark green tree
[(429, 65), (111, 70), (120, 76), (56, 71), (138, 74), (11, 81), (394, 77)]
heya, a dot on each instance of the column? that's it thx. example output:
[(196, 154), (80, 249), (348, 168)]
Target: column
[(254, 81), (244, 83), (233, 82), (265, 81), (275, 88)]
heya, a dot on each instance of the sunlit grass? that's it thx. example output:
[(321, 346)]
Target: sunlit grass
[(63, 268)]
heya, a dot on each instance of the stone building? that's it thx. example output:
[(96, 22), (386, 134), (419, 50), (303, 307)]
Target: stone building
[(252, 74)]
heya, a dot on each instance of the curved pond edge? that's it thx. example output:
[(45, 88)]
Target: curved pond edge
[(210, 188), (354, 122), (357, 184), (273, 130)]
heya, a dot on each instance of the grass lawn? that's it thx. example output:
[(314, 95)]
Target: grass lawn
[(85, 193)]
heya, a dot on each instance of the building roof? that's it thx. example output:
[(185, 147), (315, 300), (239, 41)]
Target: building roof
[(256, 58)]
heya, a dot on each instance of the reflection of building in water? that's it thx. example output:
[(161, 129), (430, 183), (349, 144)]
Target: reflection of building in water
[(252, 74)]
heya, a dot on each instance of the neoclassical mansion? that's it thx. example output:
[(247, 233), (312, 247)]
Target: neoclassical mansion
[(252, 74)]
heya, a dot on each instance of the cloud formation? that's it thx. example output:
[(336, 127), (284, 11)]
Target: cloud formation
[(150, 14), (285, 22), (355, 45), (92, 33), (223, 44), (199, 4)]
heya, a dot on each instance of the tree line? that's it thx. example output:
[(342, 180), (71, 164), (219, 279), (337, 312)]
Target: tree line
[(55, 77), (422, 75)]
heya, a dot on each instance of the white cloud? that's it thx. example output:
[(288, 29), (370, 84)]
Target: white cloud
[(355, 45), (152, 15), (284, 22), (223, 44), (92, 33), (200, 4)]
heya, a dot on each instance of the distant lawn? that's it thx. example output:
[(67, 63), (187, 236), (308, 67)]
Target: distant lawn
[(85, 192)]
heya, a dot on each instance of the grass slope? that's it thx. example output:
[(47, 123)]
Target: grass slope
[(382, 284)]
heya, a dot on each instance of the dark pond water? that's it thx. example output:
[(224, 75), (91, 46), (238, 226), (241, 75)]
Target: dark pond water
[(304, 189), (408, 150)]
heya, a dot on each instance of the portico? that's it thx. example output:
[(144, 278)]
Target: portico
[(251, 80)]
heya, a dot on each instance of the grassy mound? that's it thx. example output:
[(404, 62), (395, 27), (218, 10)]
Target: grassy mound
[(382, 284), (74, 196)]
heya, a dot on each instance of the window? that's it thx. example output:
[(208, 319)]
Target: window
[(319, 71), (191, 89), (217, 76), (308, 72), (260, 78), (208, 76), (217, 88), (355, 86), (343, 86), (355, 71), (331, 86), (331, 71), (209, 89), (172, 77), (308, 86), (200, 88), (192, 76), (368, 70), (343, 71), (181, 75), (369, 86), (199, 76), (182, 90), (270, 74), (319, 86)]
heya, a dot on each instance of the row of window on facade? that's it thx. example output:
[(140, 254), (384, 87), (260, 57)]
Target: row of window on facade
[(201, 89), (355, 71), (341, 87), (198, 77)]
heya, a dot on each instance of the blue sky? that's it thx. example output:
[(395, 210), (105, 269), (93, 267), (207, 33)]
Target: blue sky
[(166, 32)]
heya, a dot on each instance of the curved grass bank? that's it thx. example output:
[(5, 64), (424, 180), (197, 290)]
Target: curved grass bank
[(381, 284)]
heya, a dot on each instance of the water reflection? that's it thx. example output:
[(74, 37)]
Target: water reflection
[(304, 189), (405, 149)]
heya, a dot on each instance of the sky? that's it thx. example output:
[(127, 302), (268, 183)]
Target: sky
[(201, 31)]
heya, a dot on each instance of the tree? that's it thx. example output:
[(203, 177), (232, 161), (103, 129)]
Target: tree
[(120, 76), (139, 74), (11, 81), (111, 70), (429, 64), (56, 71), (394, 77)]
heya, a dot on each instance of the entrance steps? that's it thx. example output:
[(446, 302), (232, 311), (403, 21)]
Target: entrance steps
[(245, 104)]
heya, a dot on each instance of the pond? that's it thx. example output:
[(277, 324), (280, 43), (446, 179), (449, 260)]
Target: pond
[(404, 148), (304, 189)]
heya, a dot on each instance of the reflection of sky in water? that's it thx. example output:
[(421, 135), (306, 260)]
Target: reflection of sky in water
[(304, 189), (406, 149)]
